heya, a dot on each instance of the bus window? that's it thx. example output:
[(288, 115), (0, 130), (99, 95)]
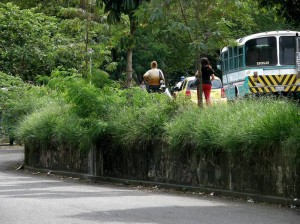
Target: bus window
[(231, 58), (225, 61), (240, 55), (261, 52), (287, 50), (236, 55)]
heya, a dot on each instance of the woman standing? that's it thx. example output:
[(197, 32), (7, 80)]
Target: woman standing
[(207, 76)]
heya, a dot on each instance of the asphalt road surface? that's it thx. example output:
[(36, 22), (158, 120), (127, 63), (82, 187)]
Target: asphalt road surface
[(26, 198)]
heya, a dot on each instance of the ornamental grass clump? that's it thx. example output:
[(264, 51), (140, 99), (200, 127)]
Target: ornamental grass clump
[(37, 128), (195, 128), (21, 102), (139, 123), (72, 115), (57, 125), (245, 125), (258, 124)]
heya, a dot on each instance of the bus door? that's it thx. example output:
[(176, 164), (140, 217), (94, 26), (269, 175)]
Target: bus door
[(298, 55), (298, 64)]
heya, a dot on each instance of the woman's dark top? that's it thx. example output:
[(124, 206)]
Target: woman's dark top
[(206, 73)]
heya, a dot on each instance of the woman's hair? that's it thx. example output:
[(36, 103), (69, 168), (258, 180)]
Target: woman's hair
[(153, 64), (204, 61)]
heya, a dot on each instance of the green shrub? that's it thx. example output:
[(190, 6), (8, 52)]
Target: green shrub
[(75, 113), (56, 124), (247, 125), (139, 121), (11, 89), (258, 124)]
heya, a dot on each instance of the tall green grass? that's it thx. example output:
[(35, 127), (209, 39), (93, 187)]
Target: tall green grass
[(11, 89), (246, 125), (70, 112), (56, 124), (21, 102), (140, 121)]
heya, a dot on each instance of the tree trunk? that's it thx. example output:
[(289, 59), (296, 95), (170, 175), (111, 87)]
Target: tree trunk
[(130, 51), (129, 67), (199, 86), (87, 35), (198, 8)]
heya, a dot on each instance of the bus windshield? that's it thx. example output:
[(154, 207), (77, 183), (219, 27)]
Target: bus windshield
[(261, 52)]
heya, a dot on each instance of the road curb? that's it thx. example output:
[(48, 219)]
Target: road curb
[(250, 197)]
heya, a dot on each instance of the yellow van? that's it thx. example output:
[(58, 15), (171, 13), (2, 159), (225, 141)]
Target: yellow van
[(188, 90)]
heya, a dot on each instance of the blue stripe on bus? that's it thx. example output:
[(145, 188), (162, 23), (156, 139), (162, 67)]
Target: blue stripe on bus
[(263, 68)]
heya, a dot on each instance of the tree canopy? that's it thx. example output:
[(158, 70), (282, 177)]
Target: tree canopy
[(287, 9), (38, 37)]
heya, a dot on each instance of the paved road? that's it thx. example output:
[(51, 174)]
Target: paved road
[(35, 199)]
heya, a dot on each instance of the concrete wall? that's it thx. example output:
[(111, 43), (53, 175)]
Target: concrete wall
[(266, 173)]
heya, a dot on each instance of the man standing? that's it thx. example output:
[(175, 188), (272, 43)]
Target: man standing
[(154, 78)]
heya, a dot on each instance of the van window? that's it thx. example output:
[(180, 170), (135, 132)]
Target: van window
[(192, 84), (216, 84), (183, 85)]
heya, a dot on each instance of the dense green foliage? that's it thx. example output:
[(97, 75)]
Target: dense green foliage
[(26, 45), (288, 9), (40, 36), (33, 43), (11, 90), (247, 125), (71, 112), (140, 121), (71, 54), (135, 119)]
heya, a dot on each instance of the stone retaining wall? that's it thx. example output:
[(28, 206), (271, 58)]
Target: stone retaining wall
[(265, 173)]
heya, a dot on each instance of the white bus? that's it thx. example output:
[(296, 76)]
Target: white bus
[(262, 63)]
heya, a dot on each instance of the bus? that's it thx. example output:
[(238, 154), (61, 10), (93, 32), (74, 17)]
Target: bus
[(262, 63)]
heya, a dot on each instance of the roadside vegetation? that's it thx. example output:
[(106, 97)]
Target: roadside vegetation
[(246, 125), (69, 112), (69, 77)]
